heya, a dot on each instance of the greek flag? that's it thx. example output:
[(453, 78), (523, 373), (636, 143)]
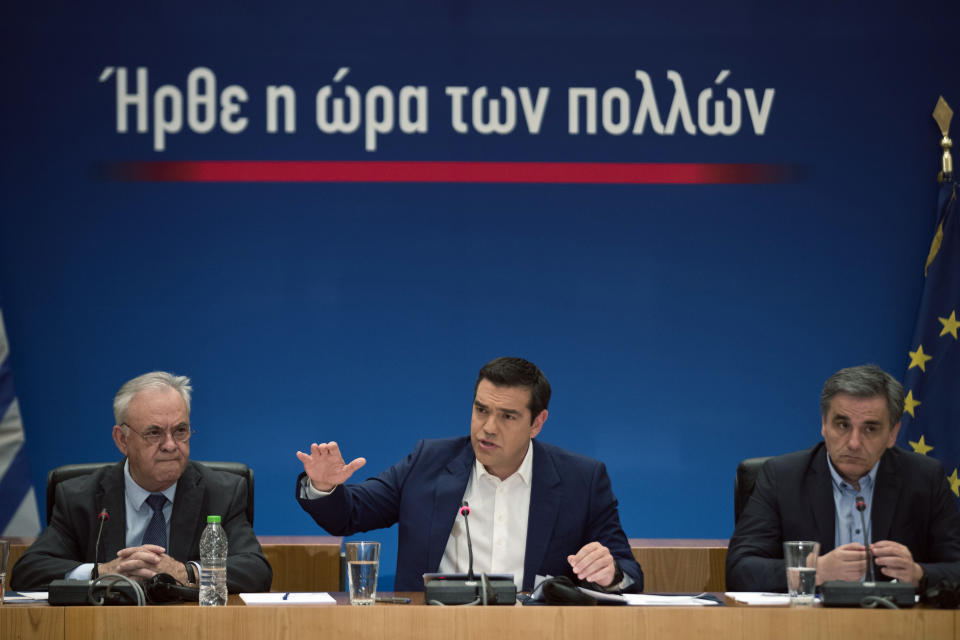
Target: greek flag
[(18, 503), (931, 419)]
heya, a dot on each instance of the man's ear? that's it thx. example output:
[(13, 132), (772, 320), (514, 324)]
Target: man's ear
[(893, 435), (120, 438), (538, 423)]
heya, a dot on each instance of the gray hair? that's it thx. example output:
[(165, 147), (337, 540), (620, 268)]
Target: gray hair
[(864, 381), (152, 380)]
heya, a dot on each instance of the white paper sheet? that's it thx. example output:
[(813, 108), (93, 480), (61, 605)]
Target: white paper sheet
[(24, 596), (758, 598), (646, 600), (293, 597)]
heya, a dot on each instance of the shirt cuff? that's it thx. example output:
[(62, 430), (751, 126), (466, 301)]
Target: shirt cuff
[(616, 587), (309, 492), (193, 577), (623, 584), (82, 572)]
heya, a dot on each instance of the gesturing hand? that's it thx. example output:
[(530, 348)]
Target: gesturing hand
[(325, 466)]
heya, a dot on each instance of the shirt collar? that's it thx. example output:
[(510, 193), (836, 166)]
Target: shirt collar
[(524, 472), (136, 494), (866, 481)]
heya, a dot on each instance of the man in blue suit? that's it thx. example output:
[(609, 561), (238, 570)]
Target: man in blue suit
[(536, 509)]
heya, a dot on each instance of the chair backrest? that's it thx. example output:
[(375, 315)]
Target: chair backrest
[(744, 483), (67, 471)]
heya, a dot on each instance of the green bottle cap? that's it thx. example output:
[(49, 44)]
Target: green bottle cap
[(213, 519)]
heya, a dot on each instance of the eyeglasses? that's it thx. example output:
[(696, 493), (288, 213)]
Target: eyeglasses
[(156, 435)]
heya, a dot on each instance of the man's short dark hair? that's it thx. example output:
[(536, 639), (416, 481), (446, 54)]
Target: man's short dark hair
[(864, 381), (517, 372)]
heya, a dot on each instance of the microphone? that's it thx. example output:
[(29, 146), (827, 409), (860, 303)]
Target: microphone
[(103, 516), (462, 589), (869, 593), (465, 511), (861, 507), (109, 590)]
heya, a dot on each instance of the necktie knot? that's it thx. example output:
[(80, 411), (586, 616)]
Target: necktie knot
[(156, 501)]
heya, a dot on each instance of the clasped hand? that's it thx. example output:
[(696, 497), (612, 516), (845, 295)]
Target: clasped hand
[(849, 562), (144, 562)]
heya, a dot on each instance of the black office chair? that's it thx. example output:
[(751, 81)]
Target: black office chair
[(68, 471), (744, 483)]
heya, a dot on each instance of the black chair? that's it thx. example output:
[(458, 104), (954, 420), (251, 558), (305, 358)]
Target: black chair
[(68, 471), (744, 483)]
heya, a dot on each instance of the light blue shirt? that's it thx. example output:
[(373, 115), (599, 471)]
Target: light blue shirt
[(138, 514), (848, 527)]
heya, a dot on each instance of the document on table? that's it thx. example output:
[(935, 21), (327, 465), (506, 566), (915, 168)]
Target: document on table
[(758, 598), (635, 599), (292, 597), (651, 600), (647, 600), (24, 596)]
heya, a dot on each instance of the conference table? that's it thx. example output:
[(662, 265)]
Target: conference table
[(312, 563), (417, 621)]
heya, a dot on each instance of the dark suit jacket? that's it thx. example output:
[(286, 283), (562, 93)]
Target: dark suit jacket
[(793, 500), (70, 536), (571, 504)]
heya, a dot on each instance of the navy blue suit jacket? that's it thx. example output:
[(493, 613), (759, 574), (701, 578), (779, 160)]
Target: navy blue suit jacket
[(571, 504), (793, 500)]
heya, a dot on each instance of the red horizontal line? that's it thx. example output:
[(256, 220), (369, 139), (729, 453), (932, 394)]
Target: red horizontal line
[(490, 172)]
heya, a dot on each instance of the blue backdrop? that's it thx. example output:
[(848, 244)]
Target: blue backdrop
[(683, 326)]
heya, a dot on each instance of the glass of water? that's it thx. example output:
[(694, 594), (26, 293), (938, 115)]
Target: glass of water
[(800, 557), (363, 563), (4, 556)]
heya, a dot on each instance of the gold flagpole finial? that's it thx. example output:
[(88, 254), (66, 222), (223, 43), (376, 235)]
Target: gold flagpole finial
[(942, 113)]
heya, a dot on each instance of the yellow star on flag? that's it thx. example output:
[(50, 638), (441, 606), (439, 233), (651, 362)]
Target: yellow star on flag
[(919, 359), (954, 483), (950, 325), (920, 447), (909, 404)]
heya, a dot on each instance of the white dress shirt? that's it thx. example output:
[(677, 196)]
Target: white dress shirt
[(499, 513)]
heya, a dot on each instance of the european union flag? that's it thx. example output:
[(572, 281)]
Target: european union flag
[(931, 421)]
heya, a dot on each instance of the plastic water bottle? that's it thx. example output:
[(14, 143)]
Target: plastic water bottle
[(213, 564)]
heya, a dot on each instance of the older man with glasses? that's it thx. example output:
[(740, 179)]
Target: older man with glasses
[(156, 498)]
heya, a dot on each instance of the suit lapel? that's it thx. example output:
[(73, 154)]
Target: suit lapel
[(111, 495), (821, 497), (545, 501), (187, 503), (885, 496), (450, 487)]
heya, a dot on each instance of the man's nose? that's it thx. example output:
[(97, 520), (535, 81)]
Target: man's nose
[(855, 439)]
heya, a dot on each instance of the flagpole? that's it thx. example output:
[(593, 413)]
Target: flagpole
[(942, 114)]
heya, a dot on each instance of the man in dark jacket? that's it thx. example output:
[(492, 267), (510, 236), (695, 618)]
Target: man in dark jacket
[(914, 525), (157, 501)]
